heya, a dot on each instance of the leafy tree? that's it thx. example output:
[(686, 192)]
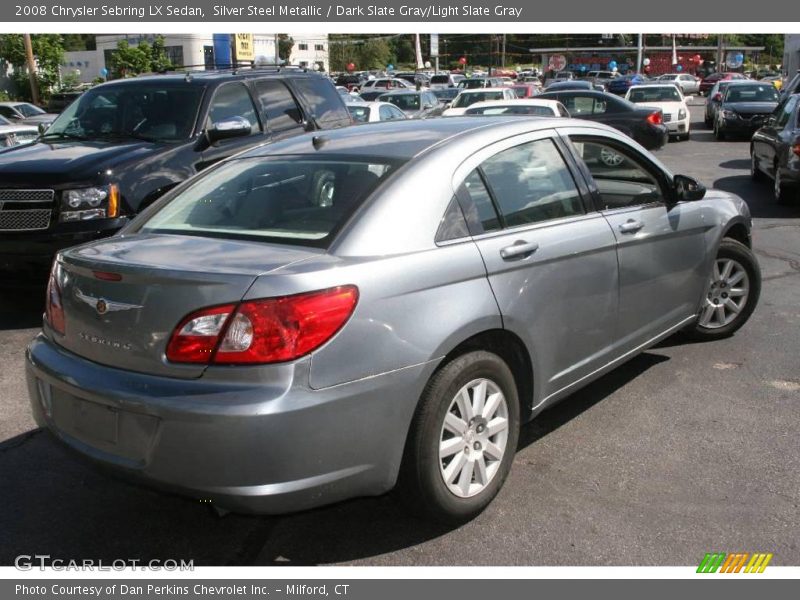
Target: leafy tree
[(48, 52), (127, 60), (159, 61), (285, 45)]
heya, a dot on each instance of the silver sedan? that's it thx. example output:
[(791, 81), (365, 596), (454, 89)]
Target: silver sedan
[(340, 313)]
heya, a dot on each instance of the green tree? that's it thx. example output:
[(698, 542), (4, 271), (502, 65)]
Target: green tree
[(159, 61), (48, 52), (128, 61), (373, 53), (285, 45)]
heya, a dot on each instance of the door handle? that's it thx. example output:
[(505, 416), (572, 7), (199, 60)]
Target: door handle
[(519, 248), (631, 226)]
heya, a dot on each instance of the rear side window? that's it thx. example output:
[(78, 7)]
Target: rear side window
[(283, 113), (289, 200), (532, 183), (233, 100), (324, 101), (477, 204)]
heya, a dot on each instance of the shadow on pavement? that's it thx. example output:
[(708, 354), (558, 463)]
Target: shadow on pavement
[(54, 504), (739, 164), (22, 303), (758, 195)]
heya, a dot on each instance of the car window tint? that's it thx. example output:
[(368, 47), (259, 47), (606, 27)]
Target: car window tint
[(323, 100), (385, 113), (360, 114), (531, 183), (478, 207), (622, 179), (579, 105), (397, 113), (785, 113), (8, 112), (279, 105), (233, 100)]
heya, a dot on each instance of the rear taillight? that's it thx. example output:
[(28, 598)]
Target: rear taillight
[(54, 309), (654, 118), (262, 331), (796, 149)]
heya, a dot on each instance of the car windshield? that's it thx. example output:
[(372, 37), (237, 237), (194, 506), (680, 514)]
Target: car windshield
[(156, 112), (664, 93), (4, 121), (539, 111), (471, 84), (402, 101), (290, 199), (520, 91), (668, 77), (440, 79), (468, 99), (29, 110), (751, 93), (359, 113)]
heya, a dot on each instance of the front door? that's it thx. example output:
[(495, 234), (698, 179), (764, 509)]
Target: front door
[(660, 245)]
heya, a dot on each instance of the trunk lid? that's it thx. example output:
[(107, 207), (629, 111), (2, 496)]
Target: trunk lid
[(124, 296)]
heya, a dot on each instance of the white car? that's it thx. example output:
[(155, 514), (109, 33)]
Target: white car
[(16, 135), (669, 98), (523, 107), (386, 83), (372, 112), (469, 97), (689, 84)]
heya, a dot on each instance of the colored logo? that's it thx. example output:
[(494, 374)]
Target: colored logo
[(734, 563)]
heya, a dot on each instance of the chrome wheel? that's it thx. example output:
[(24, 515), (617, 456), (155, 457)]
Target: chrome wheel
[(611, 158), (727, 294), (474, 438)]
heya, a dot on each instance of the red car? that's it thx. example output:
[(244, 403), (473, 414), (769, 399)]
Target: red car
[(526, 90), (709, 81)]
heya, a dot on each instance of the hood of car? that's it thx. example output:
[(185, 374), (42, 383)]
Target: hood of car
[(55, 162)]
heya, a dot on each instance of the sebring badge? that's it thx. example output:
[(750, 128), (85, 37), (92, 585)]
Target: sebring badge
[(103, 306)]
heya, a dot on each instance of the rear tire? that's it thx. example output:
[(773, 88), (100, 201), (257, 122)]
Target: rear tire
[(451, 469), (733, 292)]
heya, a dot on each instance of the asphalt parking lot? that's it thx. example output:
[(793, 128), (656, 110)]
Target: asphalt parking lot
[(687, 449)]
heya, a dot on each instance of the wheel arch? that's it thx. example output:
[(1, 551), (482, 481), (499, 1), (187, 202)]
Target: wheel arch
[(738, 230)]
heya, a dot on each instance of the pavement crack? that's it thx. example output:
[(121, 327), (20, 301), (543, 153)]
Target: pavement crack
[(794, 264), (19, 440)]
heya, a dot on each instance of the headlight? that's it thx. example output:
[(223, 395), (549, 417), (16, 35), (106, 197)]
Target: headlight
[(89, 203), (681, 114), (728, 114)]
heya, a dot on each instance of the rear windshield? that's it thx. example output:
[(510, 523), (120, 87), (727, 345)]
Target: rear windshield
[(471, 84), (471, 98), (359, 113), (666, 93), (751, 93), (402, 101), (440, 79), (539, 111), (288, 200)]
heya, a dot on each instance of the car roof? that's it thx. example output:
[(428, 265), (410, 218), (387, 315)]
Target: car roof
[(409, 138), (519, 102), (484, 90), (404, 92), (203, 77)]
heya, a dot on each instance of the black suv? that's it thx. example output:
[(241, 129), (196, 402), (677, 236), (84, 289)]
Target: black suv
[(123, 144)]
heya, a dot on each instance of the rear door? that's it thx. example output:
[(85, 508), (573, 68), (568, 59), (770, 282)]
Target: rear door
[(551, 262), (660, 246), (770, 140), (324, 103), (283, 114)]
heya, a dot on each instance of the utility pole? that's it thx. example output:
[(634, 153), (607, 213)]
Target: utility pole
[(639, 50), (26, 37), (277, 54), (503, 60)]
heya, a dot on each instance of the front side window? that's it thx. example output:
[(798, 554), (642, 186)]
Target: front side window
[(290, 200), (29, 110), (622, 178), (233, 100), (784, 113), (531, 183)]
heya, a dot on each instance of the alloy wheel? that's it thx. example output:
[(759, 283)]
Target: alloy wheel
[(611, 158), (473, 438), (727, 294)]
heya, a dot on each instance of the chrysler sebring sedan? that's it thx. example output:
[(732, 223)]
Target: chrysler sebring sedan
[(332, 316)]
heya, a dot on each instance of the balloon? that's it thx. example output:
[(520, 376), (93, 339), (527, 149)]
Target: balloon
[(390, 67), (679, 68), (646, 62), (351, 66), (104, 72), (462, 60), (427, 64), (583, 68), (739, 57), (612, 65), (614, 69), (698, 59), (647, 68)]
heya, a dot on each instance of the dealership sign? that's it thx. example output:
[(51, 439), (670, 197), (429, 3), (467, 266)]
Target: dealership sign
[(557, 62)]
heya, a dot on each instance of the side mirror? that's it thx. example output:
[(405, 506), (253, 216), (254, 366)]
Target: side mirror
[(228, 128), (42, 128), (687, 189)]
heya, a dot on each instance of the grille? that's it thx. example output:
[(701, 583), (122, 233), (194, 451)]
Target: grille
[(21, 220), (26, 195), (667, 118)]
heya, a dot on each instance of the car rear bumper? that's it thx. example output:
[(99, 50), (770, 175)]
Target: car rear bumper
[(678, 127), (265, 443), (653, 137)]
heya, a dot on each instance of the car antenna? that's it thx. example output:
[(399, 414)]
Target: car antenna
[(318, 141)]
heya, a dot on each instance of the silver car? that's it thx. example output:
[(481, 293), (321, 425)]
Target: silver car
[(334, 314)]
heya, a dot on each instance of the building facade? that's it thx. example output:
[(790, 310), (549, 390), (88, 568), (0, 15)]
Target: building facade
[(791, 54)]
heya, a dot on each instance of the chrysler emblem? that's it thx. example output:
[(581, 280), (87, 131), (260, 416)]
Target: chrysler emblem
[(103, 306)]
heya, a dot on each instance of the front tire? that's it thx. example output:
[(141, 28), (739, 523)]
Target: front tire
[(733, 291), (719, 135), (462, 439)]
